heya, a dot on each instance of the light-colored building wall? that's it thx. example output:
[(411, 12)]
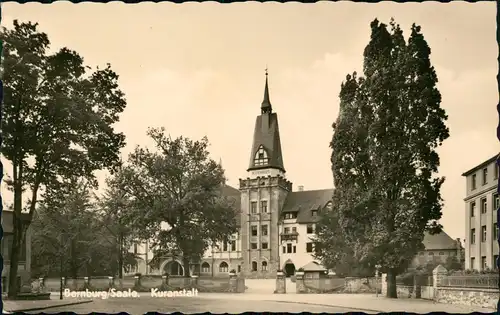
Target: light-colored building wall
[(481, 204), (300, 257)]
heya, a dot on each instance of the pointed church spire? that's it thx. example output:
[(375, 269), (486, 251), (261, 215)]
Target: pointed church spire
[(266, 103)]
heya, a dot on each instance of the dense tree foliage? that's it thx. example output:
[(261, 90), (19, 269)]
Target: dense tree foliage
[(384, 158), (70, 233), (180, 186), (57, 121)]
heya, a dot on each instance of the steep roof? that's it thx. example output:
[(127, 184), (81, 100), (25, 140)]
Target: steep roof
[(267, 135), (303, 202), (439, 241), (234, 195)]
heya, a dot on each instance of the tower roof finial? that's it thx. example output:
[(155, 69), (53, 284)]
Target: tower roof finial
[(266, 103)]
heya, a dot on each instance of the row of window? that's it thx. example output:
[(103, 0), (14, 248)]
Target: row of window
[(224, 267), (264, 230), (484, 205), (484, 263), (293, 215), (254, 209), (485, 177), (484, 234), (292, 249), (432, 253)]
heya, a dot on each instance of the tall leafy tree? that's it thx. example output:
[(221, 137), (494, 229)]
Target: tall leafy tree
[(64, 231), (384, 157), (57, 121), (180, 185), (114, 205)]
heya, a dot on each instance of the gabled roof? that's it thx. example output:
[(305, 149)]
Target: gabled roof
[(439, 241), (303, 202)]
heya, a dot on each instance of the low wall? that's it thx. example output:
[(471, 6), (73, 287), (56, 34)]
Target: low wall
[(361, 285), (487, 298), (319, 285), (203, 284), (405, 291)]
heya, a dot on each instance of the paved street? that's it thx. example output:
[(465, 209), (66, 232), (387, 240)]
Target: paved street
[(238, 303), (191, 305)]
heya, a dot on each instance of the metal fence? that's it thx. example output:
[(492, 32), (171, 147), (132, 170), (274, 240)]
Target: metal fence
[(471, 281)]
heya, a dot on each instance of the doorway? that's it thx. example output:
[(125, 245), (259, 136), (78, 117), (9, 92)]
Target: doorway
[(289, 269)]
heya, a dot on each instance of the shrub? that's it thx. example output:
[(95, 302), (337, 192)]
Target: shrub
[(233, 271), (138, 274), (300, 270)]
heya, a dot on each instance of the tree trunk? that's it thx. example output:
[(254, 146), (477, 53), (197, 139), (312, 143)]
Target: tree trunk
[(120, 257), (14, 259), (391, 284), (185, 265), (17, 237)]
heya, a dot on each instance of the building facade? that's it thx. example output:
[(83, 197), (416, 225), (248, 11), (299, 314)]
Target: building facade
[(276, 224), (481, 204)]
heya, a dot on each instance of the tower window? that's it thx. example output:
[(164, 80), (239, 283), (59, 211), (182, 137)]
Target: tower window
[(264, 230), (254, 230), (253, 207), (264, 246), (263, 206), (261, 157), (264, 266)]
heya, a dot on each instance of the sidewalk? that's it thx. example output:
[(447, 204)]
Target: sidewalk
[(360, 302), (25, 306)]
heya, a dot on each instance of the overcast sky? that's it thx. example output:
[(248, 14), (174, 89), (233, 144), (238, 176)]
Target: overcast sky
[(198, 69)]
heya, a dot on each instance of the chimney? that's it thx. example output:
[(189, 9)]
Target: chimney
[(301, 188)]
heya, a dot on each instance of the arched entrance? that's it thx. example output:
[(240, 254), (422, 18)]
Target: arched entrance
[(174, 268), (289, 269)]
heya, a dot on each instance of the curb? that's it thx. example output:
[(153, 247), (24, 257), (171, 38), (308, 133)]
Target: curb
[(329, 305), (47, 307)]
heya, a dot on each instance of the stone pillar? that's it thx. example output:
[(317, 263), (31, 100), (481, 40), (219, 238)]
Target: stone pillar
[(280, 283), (417, 286), (299, 282), (194, 281), (111, 282), (233, 282), (41, 284), (383, 284), (86, 282), (137, 281), (437, 277)]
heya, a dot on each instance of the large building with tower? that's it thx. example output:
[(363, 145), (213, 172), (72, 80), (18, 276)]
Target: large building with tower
[(276, 223)]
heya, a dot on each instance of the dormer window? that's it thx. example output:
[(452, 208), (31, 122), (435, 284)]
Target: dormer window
[(261, 157), (291, 215), (314, 213)]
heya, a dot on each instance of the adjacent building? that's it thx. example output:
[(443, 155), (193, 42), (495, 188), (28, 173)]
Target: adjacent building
[(481, 204), (24, 265), (438, 247)]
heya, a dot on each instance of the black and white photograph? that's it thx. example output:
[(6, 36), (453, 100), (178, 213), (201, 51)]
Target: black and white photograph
[(329, 157)]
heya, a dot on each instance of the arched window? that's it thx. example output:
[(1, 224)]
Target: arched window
[(261, 157), (223, 267), (205, 267), (254, 266), (264, 266)]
